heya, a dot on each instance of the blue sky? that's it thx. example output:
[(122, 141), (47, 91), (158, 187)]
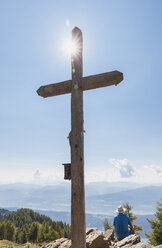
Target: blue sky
[(123, 138)]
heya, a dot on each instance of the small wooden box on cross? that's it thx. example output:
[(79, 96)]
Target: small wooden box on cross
[(76, 86)]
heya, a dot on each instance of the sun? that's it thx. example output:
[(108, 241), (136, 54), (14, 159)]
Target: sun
[(70, 47)]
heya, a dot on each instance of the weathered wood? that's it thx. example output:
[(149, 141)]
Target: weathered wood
[(78, 230), (76, 86), (102, 80), (88, 83), (55, 89)]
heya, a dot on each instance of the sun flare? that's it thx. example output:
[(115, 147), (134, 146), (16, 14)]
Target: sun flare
[(71, 47)]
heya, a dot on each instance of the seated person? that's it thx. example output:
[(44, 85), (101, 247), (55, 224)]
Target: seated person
[(121, 223)]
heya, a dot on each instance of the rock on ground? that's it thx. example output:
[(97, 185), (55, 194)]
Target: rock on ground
[(96, 239), (66, 244), (59, 243), (109, 236), (130, 241)]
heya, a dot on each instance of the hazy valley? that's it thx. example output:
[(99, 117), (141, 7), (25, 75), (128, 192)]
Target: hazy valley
[(102, 200)]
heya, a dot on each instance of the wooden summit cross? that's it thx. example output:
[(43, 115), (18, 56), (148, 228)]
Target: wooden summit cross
[(76, 87)]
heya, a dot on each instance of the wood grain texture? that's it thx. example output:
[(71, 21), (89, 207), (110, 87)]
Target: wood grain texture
[(76, 86), (78, 229), (88, 83), (55, 89), (102, 80)]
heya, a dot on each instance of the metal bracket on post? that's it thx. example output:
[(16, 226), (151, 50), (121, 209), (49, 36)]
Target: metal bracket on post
[(67, 171)]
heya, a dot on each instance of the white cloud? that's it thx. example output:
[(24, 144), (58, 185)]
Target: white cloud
[(115, 170), (155, 169), (37, 174), (123, 166), (125, 171), (47, 176)]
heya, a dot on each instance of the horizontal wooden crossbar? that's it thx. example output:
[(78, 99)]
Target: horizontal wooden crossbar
[(88, 83)]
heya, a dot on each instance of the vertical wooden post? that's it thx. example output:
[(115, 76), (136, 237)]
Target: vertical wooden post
[(76, 87), (77, 147)]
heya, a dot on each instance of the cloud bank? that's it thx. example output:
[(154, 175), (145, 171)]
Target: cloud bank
[(155, 169), (37, 174), (123, 166), (115, 170)]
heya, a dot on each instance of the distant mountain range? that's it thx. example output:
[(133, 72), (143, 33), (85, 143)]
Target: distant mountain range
[(101, 198), (143, 200)]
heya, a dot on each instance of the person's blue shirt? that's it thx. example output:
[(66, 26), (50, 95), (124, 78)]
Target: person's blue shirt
[(121, 223)]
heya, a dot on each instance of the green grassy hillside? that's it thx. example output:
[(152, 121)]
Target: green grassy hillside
[(8, 244)]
